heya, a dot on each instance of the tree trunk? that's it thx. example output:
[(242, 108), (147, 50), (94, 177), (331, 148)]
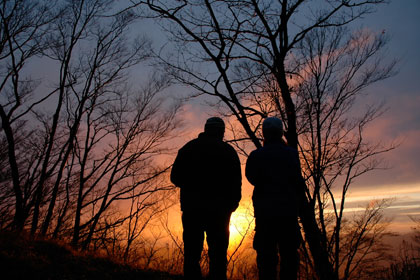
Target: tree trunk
[(323, 266), (19, 218)]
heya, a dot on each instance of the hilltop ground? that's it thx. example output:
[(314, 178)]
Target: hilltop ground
[(23, 258)]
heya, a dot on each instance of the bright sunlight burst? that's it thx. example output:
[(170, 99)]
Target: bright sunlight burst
[(241, 225)]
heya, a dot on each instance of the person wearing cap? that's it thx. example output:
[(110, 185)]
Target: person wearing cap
[(208, 172), (274, 172)]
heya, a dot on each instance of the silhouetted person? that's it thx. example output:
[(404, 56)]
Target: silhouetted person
[(274, 171), (208, 171)]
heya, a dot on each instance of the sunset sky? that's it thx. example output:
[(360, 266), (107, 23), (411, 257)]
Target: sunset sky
[(401, 123), (97, 104)]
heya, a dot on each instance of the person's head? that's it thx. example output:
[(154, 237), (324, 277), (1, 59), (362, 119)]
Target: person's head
[(272, 129), (215, 127)]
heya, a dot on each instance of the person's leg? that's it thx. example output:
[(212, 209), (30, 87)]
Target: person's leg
[(218, 241), (193, 237), (289, 243), (265, 243)]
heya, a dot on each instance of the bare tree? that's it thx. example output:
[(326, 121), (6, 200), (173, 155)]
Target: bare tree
[(405, 262), (336, 68), (133, 132), (250, 58), (90, 138), (23, 26)]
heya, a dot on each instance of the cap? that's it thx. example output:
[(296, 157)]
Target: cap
[(272, 125), (214, 122)]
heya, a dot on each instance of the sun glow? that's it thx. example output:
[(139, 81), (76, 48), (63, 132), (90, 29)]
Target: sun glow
[(241, 226)]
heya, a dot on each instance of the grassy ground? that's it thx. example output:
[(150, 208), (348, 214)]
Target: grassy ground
[(23, 258)]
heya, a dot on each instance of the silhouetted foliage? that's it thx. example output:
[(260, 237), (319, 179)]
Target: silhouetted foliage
[(405, 265)]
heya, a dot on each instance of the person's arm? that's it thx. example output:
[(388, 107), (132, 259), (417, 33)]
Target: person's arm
[(237, 183), (299, 181), (177, 172), (251, 169)]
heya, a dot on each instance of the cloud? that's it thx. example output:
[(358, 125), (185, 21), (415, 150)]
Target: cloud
[(400, 124), (405, 203)]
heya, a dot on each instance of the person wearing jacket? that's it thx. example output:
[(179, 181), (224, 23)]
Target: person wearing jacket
[(208, 172), (274, 172)]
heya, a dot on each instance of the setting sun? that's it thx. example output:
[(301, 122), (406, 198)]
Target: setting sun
[(241, 225)]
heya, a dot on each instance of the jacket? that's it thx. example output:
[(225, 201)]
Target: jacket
[(274, 172), (208, 172)]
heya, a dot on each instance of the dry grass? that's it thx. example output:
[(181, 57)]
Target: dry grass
[(24, 258)]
